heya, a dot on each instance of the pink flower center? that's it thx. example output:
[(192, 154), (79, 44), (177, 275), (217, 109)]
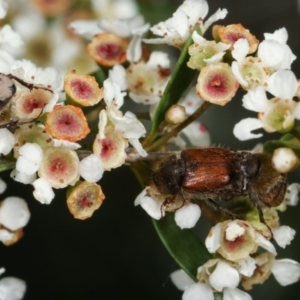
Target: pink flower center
[(108, 51), (233, 245), (216, 85), (32, 103), (84, 201), (58, 166), (81, 88), (108, 146), (66, 122), (234, 36)]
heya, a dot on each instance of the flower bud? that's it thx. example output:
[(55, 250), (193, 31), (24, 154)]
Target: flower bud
[(285, 160), (175, 114)]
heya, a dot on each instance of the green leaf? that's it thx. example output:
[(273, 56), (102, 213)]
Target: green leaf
[(292, 143), (100, 75), (184, 246), (180, 80), (218, 296), (6, 165)]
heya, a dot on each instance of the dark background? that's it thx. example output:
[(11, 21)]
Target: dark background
[(116, 254)]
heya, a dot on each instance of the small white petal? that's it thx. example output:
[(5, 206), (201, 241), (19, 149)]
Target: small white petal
[(5, 235), (283, 84), (21, 177), (235, 294), (187, 216), (138, 147), (7, 141), (139, 197), (240, 49), (247, 266), (3, 186), (256, 100), (3, 8), (279, 35), (235, 68), (29, 161), (242, 130), (9, 37), (233, 231), (264, 243), (213, 240), (198, 291), (181, 280), (14, 213), (197, 134), (286, 271), (292, 194), (284, 160), (90, 168), (12, 288), (118, 74), (43, 191), (152, 207), (218, 15), (112, 93), (86, 28), (134, 50), (65, 144), (283, 235), (224, 276)]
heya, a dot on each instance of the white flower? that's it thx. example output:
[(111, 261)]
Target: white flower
[(181, 280), (90, 168), (7, 141), (187, 216), (43, 191), (283, 235), (198, 291), (14, 213), (274, 51), (286, 271), (176, 29), (12, 288), (277, 114), (6, 60), (30, 158)]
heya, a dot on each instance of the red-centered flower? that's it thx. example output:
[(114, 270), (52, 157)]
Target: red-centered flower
[(111, 149), (82, 89), (60, 167), (67, 123), (30, 104), (51, 8), (85, 199), (217, 84), (108, 49), (231, 33)]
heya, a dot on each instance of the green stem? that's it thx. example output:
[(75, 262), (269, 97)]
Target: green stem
[(164, 139)]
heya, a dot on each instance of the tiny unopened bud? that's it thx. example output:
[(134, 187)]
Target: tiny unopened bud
[(216, 84), (175, 114), (285, 160)]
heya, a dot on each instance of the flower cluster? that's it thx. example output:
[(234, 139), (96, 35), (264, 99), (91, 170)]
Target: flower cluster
[(64, 125)]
